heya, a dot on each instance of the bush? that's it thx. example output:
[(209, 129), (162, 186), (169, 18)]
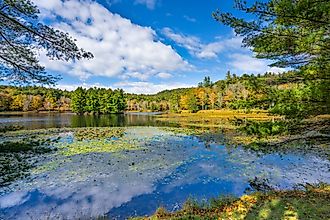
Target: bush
[(264, 128)]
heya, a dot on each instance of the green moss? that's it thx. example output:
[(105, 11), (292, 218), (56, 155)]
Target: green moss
[(98, 146)]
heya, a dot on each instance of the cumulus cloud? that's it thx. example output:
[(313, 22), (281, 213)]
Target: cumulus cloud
[(73, 86), (238, 58), (120, 47), (202, 50), (137, 87), (248, 64), (149, 87)]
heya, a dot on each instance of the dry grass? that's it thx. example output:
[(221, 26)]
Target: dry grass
[(216, 118)]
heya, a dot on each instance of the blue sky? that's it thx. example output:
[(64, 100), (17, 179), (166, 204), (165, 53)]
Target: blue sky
[(145, 46)]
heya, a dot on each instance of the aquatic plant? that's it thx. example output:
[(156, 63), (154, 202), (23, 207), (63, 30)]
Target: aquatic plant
[(97, 133), (264, 128), (97, 146), (10, 128)]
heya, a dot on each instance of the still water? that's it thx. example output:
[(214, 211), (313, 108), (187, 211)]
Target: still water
[(58, 120), (164, 169)]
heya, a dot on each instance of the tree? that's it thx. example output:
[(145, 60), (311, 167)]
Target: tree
[(293, 34), (174, 102), (78, 101), (202, 97), (17, 103), (22, 35), (206, 82), (118, 103), (92, 100), (5, 101), (213, 97), (192, 103), (184, 100), (36, 102)]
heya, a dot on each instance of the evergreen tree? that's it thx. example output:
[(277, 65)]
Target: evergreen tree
[(293, 34), (192, 103), (22, 35), (93, 100), (78, 101)]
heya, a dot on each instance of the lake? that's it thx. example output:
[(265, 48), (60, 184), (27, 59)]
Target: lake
[(58, 120), (147, 166)]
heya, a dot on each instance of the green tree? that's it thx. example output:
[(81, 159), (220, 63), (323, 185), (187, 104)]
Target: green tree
[(22, 35), (78, 100), (118, 101), (192, 103), (293, 34), (206, 82), (106, 101), (93, 100)]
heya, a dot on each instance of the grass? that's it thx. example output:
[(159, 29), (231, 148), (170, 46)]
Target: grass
[(216, 118), (310, 203)]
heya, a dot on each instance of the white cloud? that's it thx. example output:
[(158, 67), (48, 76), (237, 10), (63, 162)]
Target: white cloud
[(149, 87), (71, 87), (137, 87), (120, 47), (239, 60), (151, 4), (201, 50), (164, 75), (248, 64)]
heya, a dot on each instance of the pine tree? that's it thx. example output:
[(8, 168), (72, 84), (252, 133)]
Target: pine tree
[(78, 101)]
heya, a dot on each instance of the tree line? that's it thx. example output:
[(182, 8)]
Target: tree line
[(293, 34), (278, 93), (34, 98)]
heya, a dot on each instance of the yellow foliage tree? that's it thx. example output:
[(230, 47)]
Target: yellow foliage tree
[(184, 100)]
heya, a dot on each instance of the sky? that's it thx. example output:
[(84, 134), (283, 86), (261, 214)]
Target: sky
[(146, 46)]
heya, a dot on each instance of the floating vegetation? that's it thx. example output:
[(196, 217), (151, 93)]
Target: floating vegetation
[(12, 167), (98, 133), (23, 146), (10, 128), (17, 158), (97, 140), (97, 146)]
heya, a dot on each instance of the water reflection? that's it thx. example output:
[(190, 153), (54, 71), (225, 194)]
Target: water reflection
[(57, 120), (165, 172)]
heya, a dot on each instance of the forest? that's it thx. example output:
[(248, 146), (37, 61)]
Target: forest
[(287, 93)]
